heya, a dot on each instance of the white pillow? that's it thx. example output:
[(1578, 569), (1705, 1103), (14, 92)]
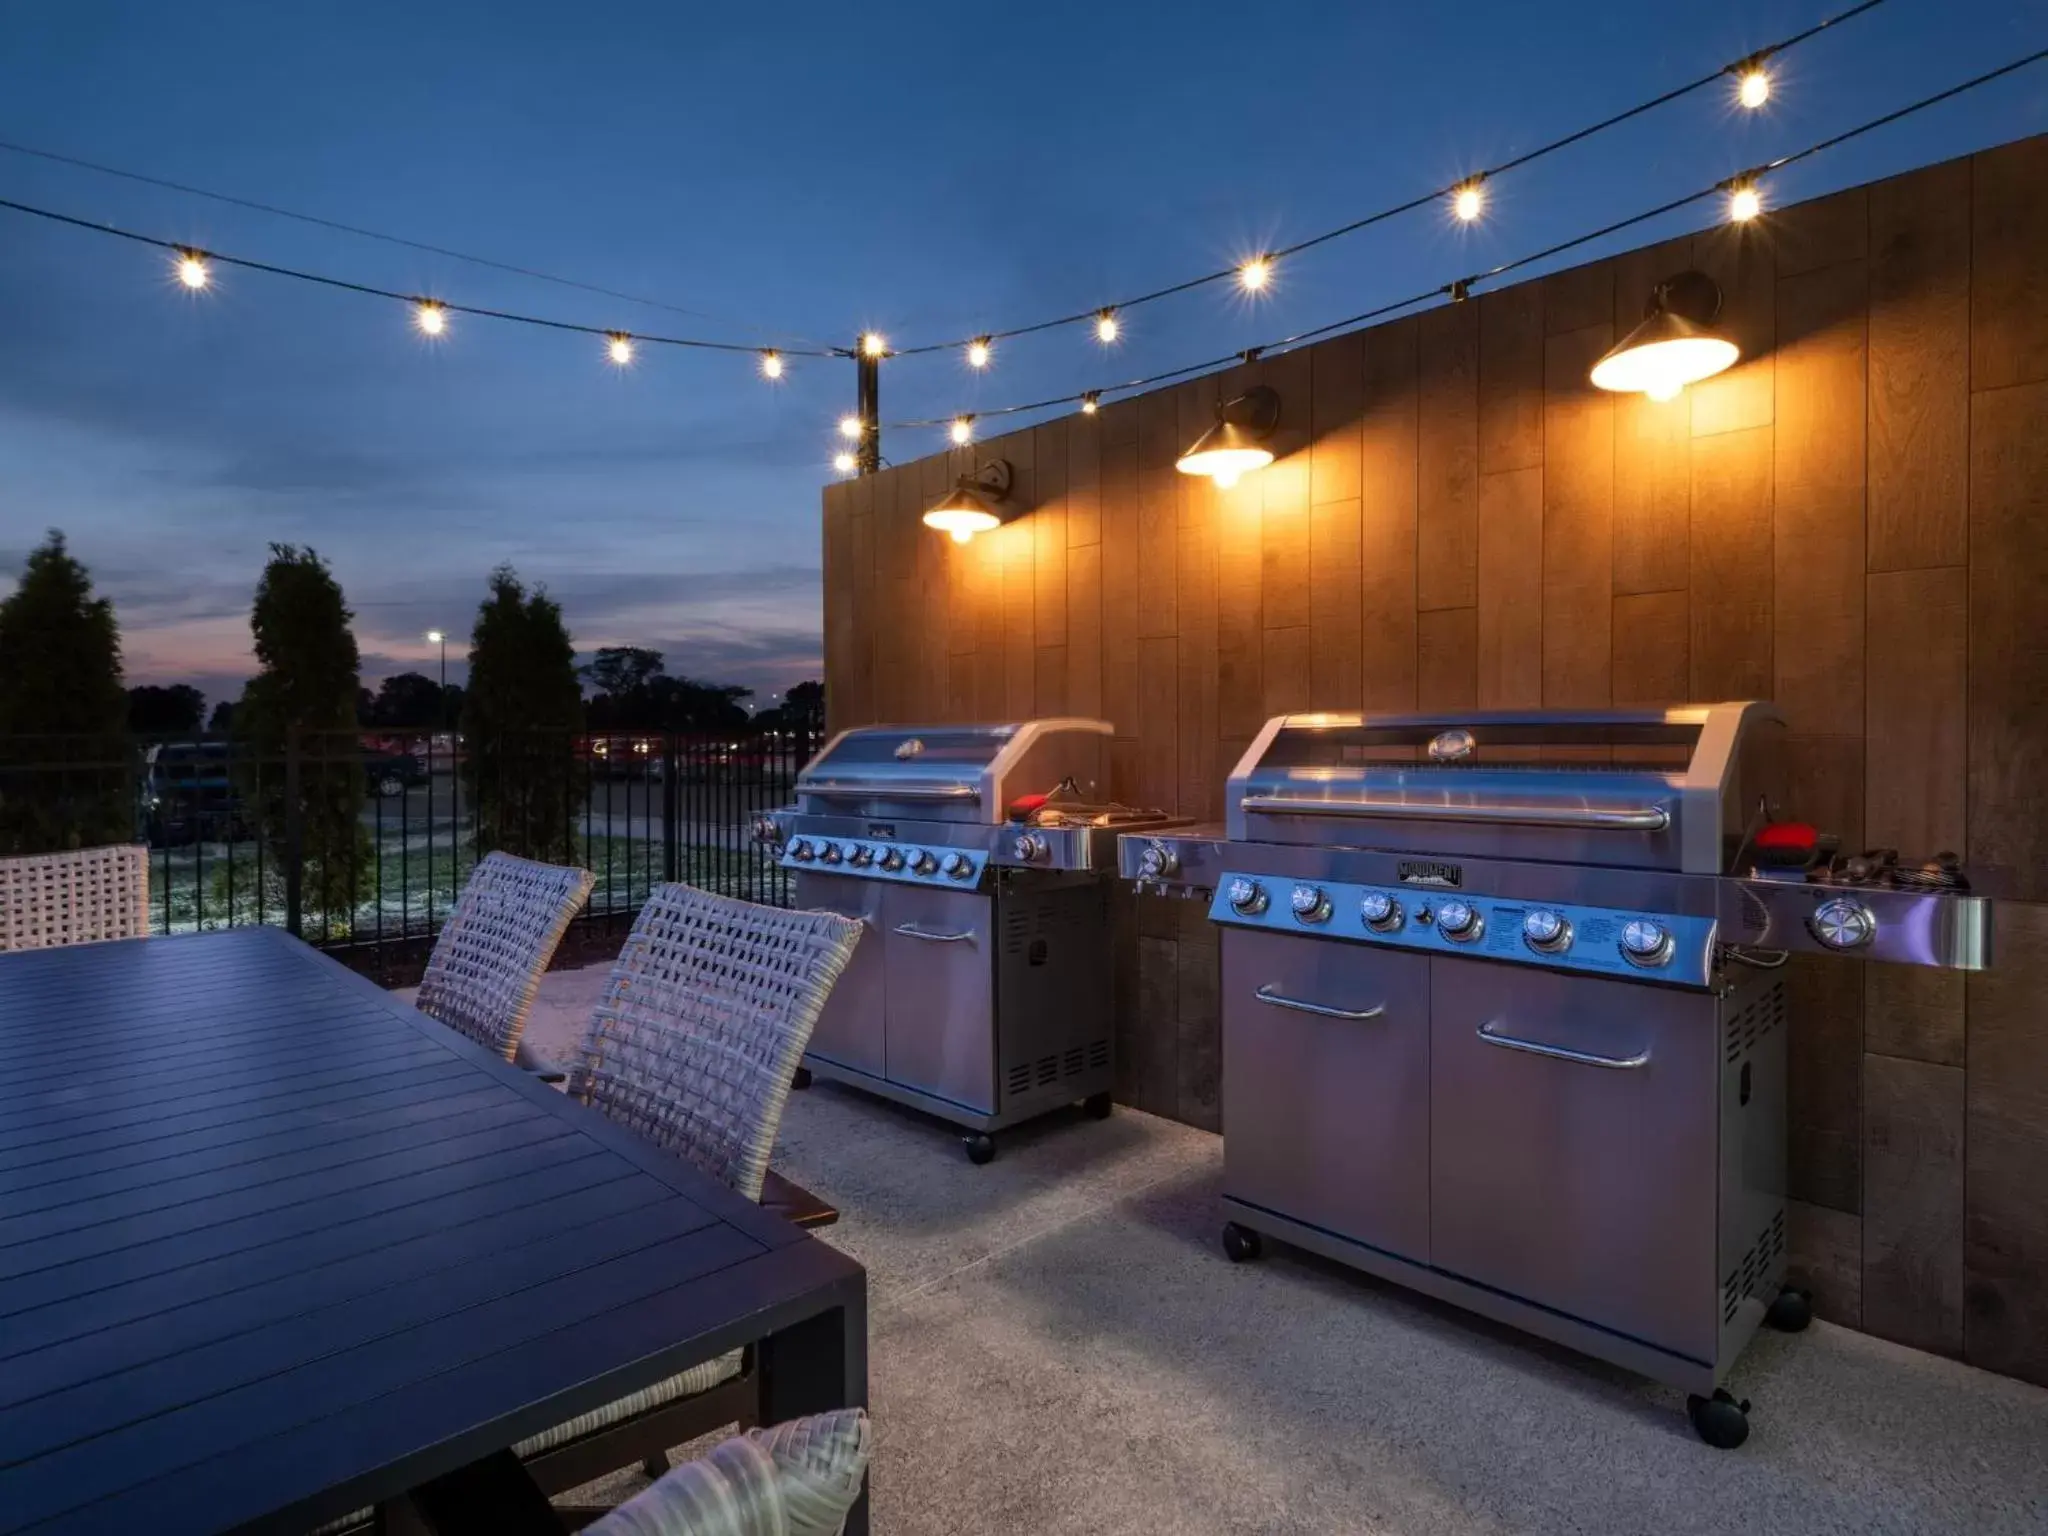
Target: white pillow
[(797, 1479)]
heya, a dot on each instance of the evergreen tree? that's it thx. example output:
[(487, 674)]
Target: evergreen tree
[(520, 715), (303, 702), (61, 703)]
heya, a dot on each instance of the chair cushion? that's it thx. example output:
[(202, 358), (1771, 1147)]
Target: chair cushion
[(698, 1378), (797, 1479)]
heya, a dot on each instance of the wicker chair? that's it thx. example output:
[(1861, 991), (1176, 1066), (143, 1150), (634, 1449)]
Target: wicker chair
[(496, 945), (82, 897), (693, 1045)]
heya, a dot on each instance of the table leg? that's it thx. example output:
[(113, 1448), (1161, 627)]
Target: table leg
[(820, 1364), (492, 1497)]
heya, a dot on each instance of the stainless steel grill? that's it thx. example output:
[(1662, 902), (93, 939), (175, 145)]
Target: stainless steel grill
[(979, 858), (1503, 1017)]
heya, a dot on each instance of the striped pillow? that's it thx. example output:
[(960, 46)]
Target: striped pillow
[(797, 1479)]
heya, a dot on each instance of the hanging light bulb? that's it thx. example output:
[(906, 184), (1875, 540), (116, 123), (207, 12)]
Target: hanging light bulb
[(1468, 202), (963, 429), (1255, 274), (843, 462), (1753, 86), (1105, 326), (1745, 202), (978, 352), (620, 349), (1236, 444), (193, 271), (1091, 402), (849, 428), (1675, 345), (771, 365), (873, 345), (430, 317)]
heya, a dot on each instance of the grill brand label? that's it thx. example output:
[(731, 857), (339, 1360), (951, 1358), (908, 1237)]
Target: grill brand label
[(1430, 872)]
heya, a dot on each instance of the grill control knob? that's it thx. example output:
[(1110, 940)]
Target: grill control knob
[(923, 861), (959, 866), (892, 859), (1380, 911), (1546, 932), (1157, 861), (830, 853), (1310, 904), (860, 854), (1843, 923), (800, 848), (1246, 897), (1644, 942), (1459, 920), (1028, 847)]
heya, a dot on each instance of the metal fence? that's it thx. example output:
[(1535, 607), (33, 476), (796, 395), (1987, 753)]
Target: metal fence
[(355, 840)]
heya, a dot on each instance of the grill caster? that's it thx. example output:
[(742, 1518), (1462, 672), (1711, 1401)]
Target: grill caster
[(1098, 1105), (1240, 1243), (1719, 1420), (1791, 1312), (800, 1079), (981, 1147)]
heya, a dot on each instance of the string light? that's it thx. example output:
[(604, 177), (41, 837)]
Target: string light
[(1753, 86), (431, 318), (872, 344), (963, 429), (771, 365), (1106, 327), (844, 463), (1091, 402), (1255, 274), (620, 349), (978, 352), (1468, 202), (849, 428), (192, 270), (1745, 202)]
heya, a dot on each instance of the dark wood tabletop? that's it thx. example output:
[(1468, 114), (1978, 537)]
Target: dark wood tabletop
[(274, 1246)]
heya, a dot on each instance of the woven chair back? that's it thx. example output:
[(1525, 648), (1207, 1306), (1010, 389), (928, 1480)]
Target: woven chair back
[(85, 896), (703, 1022), (496, 945)]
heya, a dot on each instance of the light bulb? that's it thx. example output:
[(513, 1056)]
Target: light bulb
[(849, 427), (1469, 202), (872, 344), (771, 365), (978, 352), (1665, 389), (962, 535), (843, 463), (192, 270), (1105, 326), (434, 637), (1090, 403), (1754, 88), (430, 317), (1224, 479), (621, 349), (963, 428), (1255, 274), (1745, 203)]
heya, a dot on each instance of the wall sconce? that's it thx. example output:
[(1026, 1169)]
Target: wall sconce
[(966, 509), (1236, 445), (1675, 345)]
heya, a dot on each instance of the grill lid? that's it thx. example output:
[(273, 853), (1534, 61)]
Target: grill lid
[(950, 772), (1662, 789)]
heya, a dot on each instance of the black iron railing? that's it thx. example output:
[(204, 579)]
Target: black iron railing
[(356, 840)]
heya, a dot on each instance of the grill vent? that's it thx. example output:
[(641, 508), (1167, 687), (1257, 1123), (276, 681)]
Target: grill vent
[(1047, 1070), (1763, 1013), (1098, 1055), (1747, 1277), (1020, 1077)]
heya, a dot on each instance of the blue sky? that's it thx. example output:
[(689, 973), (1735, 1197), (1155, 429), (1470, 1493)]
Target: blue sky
[(788, 173)]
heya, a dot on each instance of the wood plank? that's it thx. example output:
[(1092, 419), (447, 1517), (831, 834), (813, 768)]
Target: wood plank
[(1148, 1054), (1824, 782), (1818, 570), (1916, 707), (1084, 630), (1197, 1002), (860, 555), (1287, 671), (1919, 417), (1730, 558), (2008, 705), (1197, 722), (1120, 581), (837, 599), (1738, 257), (1913, 1203), (1158, 724), (1652, 438), (1578, 297), (1049, 682), (1048, 521), (1447, 658), (1159, 492), (1284, 506), (1336, 626), (1510, 380), (1447, 457), (1578, 519), (2009, 265), (1084, 481), (1825, 1256), (1389, 476), (1824, 1084), (1652, 648), (1240, 611), (1821, 232), (933, 616), (1337, 408), (1016, 541), (1510, 635), (2005, 1232), (1914, 1012)]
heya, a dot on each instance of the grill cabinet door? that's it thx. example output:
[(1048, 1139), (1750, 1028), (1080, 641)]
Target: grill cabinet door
[(1585, 1187), (849, 1030), (1326, 1113), (940, 956)]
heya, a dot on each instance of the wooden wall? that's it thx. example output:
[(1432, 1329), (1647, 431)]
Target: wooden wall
[(1853, 522)]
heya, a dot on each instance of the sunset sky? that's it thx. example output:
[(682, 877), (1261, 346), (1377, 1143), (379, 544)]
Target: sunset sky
[(788, 175)]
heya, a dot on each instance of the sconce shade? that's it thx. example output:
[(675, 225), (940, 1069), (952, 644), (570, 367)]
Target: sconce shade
[(1675, 345), (962, 514), (1235, 445)]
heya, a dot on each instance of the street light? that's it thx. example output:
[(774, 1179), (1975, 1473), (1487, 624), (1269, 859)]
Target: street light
[(435, 637)]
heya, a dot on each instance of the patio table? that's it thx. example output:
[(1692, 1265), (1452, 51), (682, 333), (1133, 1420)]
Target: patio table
[(274, 1246)]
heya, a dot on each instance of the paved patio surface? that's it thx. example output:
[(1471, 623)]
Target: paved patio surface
[(1057, 1345)]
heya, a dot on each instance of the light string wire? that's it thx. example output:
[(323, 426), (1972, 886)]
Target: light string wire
[(1471, 179), (1458, 289)]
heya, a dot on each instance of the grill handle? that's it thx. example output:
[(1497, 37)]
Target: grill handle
[(912, 931), (1632, 818), (1269, 994), (1560, 1053), (879, 791)]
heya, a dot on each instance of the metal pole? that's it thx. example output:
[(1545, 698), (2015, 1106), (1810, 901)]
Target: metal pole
[(867, 454)]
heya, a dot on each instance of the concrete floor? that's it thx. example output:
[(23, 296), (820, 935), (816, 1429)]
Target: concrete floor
[(1057, 1345)]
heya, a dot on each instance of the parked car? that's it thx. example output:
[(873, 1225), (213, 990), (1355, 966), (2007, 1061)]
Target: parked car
[(189, 795), (390, 774)]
